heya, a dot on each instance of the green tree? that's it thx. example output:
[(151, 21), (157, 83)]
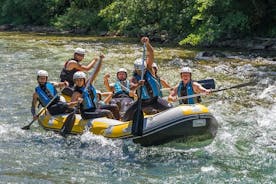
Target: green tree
[(216, 20), (82, 14)]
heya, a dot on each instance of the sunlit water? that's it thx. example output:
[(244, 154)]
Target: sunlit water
[(244, 150)]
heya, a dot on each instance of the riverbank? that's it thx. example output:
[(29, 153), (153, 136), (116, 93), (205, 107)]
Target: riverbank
[(250, 44)]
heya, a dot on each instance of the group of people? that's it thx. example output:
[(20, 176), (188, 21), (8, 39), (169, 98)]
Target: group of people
[(119, 101)]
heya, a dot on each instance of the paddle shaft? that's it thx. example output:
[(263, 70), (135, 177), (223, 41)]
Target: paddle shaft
[(165, 89), (138, 123), (93, 73), (217, 90)]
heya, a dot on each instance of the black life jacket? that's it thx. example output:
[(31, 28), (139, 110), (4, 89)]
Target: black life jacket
[(67, 75)]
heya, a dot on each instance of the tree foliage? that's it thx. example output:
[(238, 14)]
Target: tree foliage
[(191, 22)]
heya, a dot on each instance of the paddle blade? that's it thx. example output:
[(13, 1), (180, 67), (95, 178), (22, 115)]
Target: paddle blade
[(27, 127), (208, 83), (68, 124), (138, 123)]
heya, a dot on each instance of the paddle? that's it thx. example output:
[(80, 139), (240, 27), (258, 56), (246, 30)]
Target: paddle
[(70, 119), (217, 90), (138, 120), (69, 123), (27, 127), (207, 83)]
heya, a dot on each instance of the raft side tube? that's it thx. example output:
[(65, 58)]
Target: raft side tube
[(178, 129)]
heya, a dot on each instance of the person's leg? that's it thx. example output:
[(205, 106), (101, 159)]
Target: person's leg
[(59, 108), (113, 108), (126, 103), (130, 112), (96, 113), (161, 104), (105, 113)]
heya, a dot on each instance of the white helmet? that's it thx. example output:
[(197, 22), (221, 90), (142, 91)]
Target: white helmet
[(138, 64), (98, 91), (186, 70), (79, 75), (154, 65), (80, 51), (122, 70), (42, 73)]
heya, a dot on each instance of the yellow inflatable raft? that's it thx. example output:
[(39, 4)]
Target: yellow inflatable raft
[(175, 123)]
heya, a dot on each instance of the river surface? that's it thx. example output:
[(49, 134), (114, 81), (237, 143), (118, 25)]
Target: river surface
[(244, 150)]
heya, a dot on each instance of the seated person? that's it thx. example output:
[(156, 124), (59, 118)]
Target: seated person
[(73, 65), (187, 87), (87, 97), (122, 95), (149, 86), (104, 103), (45, 92)]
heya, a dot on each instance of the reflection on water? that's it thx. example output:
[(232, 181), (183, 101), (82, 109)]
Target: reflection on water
[(242, 152)]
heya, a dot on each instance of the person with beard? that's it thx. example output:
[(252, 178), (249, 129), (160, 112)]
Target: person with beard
[(45, 92), (122, 95), (73, 65)]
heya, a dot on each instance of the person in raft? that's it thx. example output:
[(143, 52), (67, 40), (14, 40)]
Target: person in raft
[(162, 82), (73, 65), (122, 95), (88, 98), (150, 87), (45, 92), (187, 87)]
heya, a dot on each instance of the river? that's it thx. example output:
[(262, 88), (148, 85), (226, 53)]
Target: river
[(244, 150)]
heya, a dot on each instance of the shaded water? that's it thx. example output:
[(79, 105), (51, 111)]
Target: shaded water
[(244, 150)]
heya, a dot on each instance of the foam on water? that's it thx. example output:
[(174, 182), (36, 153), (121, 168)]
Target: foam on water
[(242, 152)]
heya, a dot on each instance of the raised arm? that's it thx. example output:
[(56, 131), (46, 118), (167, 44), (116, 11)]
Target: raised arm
[(97, 69), (150, 53), (106, 83)]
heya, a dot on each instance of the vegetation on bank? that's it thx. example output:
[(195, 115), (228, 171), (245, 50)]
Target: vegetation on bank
[(189, 22)]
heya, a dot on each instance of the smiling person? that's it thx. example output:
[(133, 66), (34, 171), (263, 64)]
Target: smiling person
[(45, 92), (187, 87), (73, 65)]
